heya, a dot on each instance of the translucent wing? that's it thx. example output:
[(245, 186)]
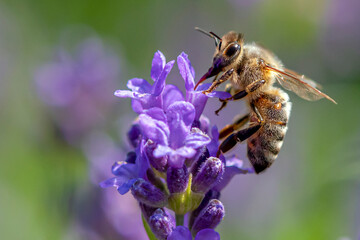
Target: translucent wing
[(302, 86)]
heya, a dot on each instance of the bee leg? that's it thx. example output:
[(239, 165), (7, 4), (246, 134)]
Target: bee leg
[(215, 78), (242, 134), (229, 89), (234, 138), (226, 76), (237, 124), (249, 88)]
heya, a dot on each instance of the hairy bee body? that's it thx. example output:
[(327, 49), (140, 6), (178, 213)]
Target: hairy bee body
[(252, 71), (272, 103)]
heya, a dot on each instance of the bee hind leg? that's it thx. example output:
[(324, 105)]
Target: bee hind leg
[(235, 125), (234, 138), (242, 134)]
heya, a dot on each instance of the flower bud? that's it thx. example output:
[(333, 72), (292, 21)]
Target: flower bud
[(161, 224), (208, 175), (148, 194), (177, 179), (209, 217), (201, 159), (160, 163), (211, 194), (134, 135)]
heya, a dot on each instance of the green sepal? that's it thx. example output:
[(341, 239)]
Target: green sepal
[(184, 202), (148, 229)]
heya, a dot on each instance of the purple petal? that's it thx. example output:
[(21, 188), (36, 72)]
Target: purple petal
[(157, 65), (124, 169), (180, 116), (198, 100), (233, 167), (197, 139), (156, 113), (113, 182), (137, 106), (171, 94), (214, 144), (139, 85), (186, 152), (180, 233), (124, 94), (122, 184), (176, 161), (123, 189), (186, 70), (204, 123), (207, 234), (161, 151), (159, 84), (154, 129)]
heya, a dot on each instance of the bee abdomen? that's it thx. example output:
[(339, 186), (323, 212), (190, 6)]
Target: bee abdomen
[(264, 147)]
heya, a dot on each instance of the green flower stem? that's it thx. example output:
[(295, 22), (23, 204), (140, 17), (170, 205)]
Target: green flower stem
[(187, 201), (179, 219)]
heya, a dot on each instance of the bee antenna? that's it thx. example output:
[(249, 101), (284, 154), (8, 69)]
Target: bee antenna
[(210, 34)]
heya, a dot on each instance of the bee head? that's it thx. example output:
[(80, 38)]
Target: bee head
[(228, 52)]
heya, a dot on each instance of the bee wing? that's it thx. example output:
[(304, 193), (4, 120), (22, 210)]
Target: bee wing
[(303, 87)]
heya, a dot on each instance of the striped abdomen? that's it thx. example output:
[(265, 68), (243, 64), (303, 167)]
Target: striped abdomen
[(264, 146)]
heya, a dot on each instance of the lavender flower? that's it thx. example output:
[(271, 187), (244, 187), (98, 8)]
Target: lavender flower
[(174, 164)]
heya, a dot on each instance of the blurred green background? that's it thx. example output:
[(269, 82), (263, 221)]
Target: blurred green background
[(311, 192)]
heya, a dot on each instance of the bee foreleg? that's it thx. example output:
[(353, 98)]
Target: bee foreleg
[(234, 138), (226, 76)]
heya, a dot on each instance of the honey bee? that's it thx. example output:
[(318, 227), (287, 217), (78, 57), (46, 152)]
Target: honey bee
[(252, 71)]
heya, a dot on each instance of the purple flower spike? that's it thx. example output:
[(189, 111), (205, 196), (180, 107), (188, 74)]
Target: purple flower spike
[(209, 217), (161, 224), (177, 179), (148, 194), (171, 140), (208, 175)]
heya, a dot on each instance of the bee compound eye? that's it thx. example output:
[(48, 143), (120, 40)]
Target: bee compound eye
[(232, 50)]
